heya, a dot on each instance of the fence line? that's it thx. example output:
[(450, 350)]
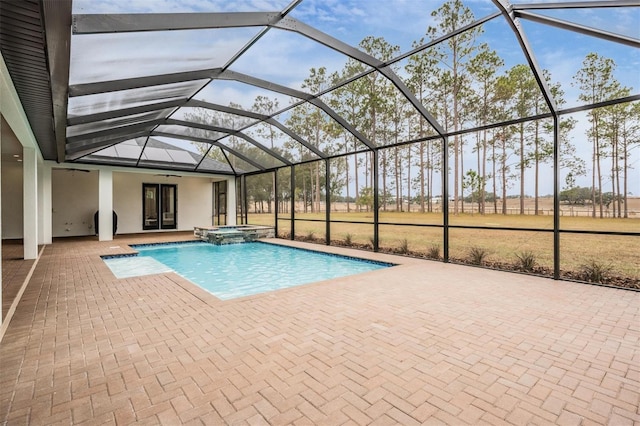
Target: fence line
[(565, 211)]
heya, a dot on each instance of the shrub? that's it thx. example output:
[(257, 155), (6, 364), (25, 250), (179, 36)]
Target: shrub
[(404, 246), (594, 271), (526, 260), (477, 255), (348, 239), (433, 252)]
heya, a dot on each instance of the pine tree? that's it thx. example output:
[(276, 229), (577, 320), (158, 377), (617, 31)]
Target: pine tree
[(595, 80), (455, 54)]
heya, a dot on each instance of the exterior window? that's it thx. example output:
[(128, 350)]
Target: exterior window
[(159, 203)]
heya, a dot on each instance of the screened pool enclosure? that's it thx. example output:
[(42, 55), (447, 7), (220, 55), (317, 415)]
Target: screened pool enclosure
[(494, 133)]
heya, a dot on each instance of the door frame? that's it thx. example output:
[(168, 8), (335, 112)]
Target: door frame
[(158, 205)]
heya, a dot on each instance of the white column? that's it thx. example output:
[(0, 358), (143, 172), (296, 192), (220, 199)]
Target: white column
[(30, 202), (105, 205), (1, 317), (44, 203), (231, 201)]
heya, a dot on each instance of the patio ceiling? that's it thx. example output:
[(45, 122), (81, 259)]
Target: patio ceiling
[(111, 88)]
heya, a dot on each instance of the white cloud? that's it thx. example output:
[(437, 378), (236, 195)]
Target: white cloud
[(226, 92), (286, 58)]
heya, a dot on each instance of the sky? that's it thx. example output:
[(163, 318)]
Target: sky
[(286, 57)]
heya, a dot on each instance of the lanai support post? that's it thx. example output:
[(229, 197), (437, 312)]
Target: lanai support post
[(232, 201), (245, 204), (1, 317), (556, 197), (44, 203), (30, 202), (293, 203), (445, 199), (376, 215), (105, 205), (327, 203), (275, 201)]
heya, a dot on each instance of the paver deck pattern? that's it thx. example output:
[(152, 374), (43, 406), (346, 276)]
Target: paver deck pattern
[(14, 271), (419, 343)]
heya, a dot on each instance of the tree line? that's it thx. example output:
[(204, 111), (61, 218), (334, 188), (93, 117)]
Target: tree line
[(463, 84)]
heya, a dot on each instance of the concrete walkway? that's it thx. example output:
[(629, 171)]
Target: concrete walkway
[(419, 343)]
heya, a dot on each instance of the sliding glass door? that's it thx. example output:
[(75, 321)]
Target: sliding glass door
[(168, 203), (159, 206)]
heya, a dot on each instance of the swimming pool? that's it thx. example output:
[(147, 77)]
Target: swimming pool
[(237, 270)]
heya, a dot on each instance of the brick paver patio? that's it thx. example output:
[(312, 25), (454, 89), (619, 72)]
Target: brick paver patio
[(14, 271), (423, 342)]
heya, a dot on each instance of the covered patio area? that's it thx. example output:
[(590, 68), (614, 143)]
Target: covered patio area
[(420, 343)]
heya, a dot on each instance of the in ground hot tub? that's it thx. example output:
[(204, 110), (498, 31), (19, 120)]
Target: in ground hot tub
[(232, 234)]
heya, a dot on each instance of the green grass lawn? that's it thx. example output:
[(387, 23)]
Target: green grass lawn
[(620, 253)]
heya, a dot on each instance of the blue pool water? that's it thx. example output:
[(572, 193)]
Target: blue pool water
[(236, 270)]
